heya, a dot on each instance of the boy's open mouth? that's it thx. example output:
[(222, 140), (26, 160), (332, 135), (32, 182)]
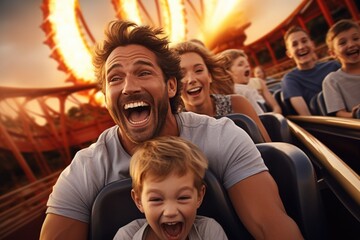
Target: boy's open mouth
[(172, 230)]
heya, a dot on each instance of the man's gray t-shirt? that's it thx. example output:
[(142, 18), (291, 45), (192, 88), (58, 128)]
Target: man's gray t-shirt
[(204, 228), (231, 153)]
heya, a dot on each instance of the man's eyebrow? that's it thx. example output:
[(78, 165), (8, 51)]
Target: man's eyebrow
[(116, 65), (143, 62), (137, 63)]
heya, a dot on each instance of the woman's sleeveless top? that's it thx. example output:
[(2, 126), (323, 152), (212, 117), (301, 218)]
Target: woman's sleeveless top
[(222, 104)]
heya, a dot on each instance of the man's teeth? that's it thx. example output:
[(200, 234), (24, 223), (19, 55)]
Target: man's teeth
[(135, 104)]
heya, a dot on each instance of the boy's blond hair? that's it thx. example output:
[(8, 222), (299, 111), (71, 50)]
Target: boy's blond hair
[(162, 156)]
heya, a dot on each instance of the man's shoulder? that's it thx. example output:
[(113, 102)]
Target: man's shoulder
[(108, 135), (194, 125), (195, 119), (332, 65), (291, 74)]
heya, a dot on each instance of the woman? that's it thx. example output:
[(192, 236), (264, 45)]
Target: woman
[(236, 64), (208, 89)]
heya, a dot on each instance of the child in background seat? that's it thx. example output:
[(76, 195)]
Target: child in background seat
[(342, 88)]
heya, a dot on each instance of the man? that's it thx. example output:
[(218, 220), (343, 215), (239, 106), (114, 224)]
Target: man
[(140, 78), (305, 81)]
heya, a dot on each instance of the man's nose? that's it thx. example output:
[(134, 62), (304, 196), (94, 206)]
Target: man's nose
[(130, 85)]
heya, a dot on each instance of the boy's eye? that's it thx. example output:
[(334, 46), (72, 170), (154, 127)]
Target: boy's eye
[(144, 73), (342, 42), (155, 199), (184, 198)]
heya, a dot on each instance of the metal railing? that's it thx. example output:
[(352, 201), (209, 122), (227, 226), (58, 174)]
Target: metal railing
[(22, 206)]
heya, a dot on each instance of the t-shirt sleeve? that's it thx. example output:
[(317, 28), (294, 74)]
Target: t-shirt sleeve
[(75, 190), (236, 155), (290, 86), (332, 94)]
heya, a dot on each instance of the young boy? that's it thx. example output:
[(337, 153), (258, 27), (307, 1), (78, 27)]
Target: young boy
[(341, 88), (167, 178)]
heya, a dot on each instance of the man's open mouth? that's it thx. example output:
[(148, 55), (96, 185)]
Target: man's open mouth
[(138, 112)]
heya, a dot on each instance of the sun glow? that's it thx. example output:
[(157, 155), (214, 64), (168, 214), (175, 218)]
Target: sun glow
[(178, 21), (129, 10), (66, 30), (68, 42)]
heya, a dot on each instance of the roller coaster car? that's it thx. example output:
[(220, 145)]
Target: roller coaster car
[(289, 166)]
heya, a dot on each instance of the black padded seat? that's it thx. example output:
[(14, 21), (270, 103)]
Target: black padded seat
[(286, 107), (321, 104), (248, 125), (357, 114), (277, 96), (277, 127), (274, 86), (295, 176), (314, 106), (289, 109)]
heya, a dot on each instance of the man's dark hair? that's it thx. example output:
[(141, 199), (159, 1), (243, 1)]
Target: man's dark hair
[(123, 33)]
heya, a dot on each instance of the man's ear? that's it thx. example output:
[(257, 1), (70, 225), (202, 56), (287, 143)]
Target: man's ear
[(137, 200), (171, 87), (201, 195)]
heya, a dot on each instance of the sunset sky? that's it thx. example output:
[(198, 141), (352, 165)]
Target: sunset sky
[(25, 60)]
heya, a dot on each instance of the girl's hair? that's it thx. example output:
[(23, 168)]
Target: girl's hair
[(162, 156), (338, 27), (222, 82), (227, 57), (123, 33)]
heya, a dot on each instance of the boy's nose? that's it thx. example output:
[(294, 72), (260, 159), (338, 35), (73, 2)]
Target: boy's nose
[(170, 210)]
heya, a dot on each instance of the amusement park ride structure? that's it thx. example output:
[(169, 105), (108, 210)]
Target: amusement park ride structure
[(41, 142)]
